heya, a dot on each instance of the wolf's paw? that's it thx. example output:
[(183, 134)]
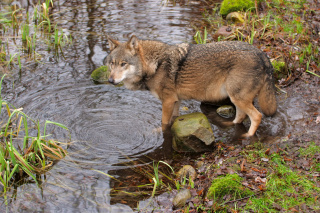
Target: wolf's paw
[(246, 135), (157, 130)]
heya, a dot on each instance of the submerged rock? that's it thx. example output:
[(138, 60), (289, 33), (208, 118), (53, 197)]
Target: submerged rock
[(226, 111), (192, 133), (100, 74), (181, 198), (188, 172)]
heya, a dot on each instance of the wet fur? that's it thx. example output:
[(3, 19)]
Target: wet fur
[(205, 72)]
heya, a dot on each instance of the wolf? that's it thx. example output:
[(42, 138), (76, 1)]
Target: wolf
[(205, 72)]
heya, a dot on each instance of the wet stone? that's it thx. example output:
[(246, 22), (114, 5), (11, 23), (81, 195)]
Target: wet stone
[(235, 17), (192, 133), (226, 111), (188, 172), (181, 198)]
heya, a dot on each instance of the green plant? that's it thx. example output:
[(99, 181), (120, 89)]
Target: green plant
[(228, 185), (229, 6), (284, 189), (198, 37), (31, 159)]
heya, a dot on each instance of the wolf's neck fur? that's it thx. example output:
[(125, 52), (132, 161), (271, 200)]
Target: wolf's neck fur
[(150, 53)]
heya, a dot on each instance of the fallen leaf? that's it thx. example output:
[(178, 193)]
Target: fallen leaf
[(260, 180), (200, 192), (286, 159), (267, 151), (262, 187), (255, 169), (242, 165)]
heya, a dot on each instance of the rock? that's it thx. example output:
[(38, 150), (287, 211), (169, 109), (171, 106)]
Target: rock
[(100, 74), (226, 111), (228, 6), (181, 198), (199, 164), (192, 133), (235, 17), (223, 31), (188, 172)]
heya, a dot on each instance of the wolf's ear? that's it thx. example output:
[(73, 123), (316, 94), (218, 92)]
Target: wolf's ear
[(112, 43), (133, 43)]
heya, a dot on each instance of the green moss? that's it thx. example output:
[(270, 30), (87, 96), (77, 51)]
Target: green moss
[(100, 74), (228, 6), (228, 185), (280, 70)]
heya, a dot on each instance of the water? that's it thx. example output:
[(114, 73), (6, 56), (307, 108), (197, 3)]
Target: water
[(110, 126)]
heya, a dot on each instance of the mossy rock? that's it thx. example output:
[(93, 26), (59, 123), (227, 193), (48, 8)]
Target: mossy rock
[(192, 133), (280, 69), (279, 66), (228, 185), (100, 74), (228, 6)]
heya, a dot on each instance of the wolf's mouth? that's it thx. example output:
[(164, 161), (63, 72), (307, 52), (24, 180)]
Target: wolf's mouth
[(112, 81)]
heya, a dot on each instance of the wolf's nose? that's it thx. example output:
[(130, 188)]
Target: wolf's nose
[(111, 80)]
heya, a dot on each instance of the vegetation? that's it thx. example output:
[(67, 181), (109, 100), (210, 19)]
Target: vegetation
[(228, 6), (26, 150), (229, 185), (31, 33)]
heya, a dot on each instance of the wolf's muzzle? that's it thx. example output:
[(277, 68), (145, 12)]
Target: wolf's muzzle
[(112, 81)]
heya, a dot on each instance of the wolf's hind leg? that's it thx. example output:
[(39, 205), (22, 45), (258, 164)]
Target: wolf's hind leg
[(240, 116), (254, 115)]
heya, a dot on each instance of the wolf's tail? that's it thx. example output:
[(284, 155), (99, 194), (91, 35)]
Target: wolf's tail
[(267, 97)]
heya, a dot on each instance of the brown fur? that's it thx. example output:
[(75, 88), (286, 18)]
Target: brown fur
[(206, 72)]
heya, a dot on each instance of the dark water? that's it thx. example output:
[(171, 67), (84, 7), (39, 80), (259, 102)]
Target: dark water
[(109, 125)]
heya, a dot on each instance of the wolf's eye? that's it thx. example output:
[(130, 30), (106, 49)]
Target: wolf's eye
[(123, 64)]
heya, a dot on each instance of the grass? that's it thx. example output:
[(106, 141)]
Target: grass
[(285, 190), (35, 31), (25, 150)]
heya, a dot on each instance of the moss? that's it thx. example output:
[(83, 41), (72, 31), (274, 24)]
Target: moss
[(228, 185), (229, 6), (280, 69), (278, 66), (100, 74)]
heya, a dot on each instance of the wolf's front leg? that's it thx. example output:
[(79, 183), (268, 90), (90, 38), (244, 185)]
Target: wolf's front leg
[(167, 112), (176, 112)]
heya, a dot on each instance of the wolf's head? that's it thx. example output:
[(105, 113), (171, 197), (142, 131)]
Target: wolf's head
[(124, 61)]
